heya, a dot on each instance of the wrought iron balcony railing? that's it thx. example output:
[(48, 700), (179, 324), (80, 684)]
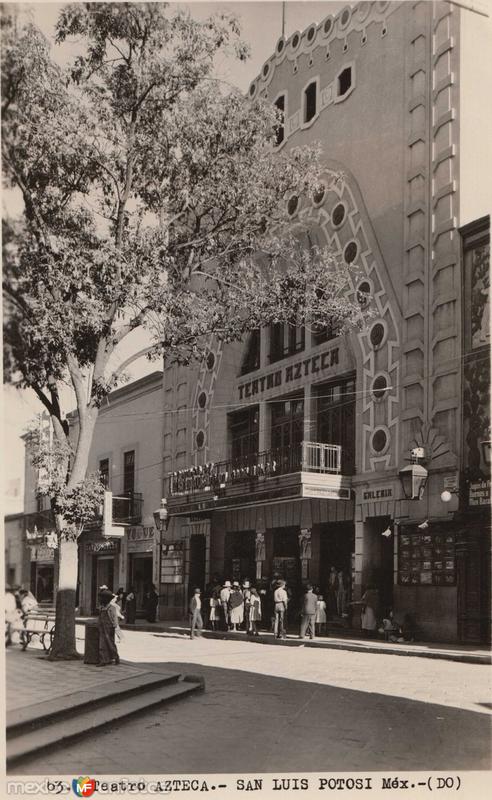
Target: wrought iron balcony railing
[(306, 457), (127, 508)]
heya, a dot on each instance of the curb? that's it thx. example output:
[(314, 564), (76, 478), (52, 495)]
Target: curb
[(335, 644)]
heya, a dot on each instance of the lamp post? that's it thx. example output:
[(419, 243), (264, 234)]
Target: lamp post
[(161, 516)]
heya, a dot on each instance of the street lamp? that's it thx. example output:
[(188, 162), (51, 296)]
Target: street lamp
[(413, 478), (161, 516), (485, 447)]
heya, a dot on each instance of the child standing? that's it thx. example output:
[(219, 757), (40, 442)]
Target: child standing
[(214, 611), (320, 621)]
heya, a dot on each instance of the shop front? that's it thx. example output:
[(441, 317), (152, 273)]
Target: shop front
[(140, 553), (43, 573), (98, 566)]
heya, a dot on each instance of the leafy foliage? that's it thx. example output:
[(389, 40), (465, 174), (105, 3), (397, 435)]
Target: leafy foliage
[(152, 198)]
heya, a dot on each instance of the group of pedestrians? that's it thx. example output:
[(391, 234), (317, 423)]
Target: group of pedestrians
[(240, 606), (230, 607), (19, 603)]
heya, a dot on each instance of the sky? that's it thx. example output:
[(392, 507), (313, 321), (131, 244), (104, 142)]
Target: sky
[(261, 25)]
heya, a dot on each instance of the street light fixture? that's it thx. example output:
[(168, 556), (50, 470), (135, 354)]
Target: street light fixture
[(485, 447), (413, 477), (161, 516)]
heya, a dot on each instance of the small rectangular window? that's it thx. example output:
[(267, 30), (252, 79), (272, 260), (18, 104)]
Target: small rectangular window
[(279, 129), (104, 472), (344, 81), (129, 472), (310, 95)]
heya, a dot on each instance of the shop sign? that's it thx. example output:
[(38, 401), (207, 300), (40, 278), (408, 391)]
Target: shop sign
[(377, 493), (42, 553), (314, 365), (479, 493), (107, 546), (140, 538), (325, 492)]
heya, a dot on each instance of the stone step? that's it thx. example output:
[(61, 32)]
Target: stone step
[(88, 721), (24, 720)]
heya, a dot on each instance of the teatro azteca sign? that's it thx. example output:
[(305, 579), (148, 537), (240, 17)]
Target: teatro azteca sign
[(318, 365)]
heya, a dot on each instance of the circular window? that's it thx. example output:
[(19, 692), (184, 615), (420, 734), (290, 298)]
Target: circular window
[(328, 24), (379, 441), (292, 205), (202, 399), (200, 439), (363, 294), (311, 32), (295, 41), (350, 253), (345, 18), (379, 387), (266, 70), (210, 361), (252, 89), (377, 335), (280, 45), (319, 195), (338, 215)]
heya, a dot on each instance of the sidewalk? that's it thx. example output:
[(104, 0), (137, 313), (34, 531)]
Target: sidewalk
[(450, 652)]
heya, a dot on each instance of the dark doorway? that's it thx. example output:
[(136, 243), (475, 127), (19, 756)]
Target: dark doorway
[(286, 563), (239, 555), (140, 577), (473, 583), (197, 563), (102, 575), (379, 567)]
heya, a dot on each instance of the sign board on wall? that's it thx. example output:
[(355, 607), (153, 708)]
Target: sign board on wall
[(479, 493), (172, 562), (107, 546), (140, 539), (42, 553)]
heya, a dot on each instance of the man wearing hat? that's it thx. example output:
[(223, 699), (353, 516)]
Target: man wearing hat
[(280, 600), (108, 624), (224, 596), (196, 614)]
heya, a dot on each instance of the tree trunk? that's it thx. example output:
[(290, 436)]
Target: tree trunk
[(64, 644)]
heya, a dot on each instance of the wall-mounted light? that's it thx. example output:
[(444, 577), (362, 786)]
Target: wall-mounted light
[(413, 479), (485, 448)]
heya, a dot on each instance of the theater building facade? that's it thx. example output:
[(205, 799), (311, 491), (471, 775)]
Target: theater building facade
[(284, 453)]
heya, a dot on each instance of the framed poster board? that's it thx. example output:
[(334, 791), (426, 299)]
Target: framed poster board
[(426, 559), (172, 562)]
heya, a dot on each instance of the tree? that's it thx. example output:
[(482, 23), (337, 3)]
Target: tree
[(152, 198)]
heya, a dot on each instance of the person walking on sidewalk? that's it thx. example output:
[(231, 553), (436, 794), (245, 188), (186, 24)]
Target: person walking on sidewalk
[(214, 606), (196, 621), (280, 601), (108, 626), (308, 615)]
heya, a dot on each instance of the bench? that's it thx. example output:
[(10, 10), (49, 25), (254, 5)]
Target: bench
[(37, 624)]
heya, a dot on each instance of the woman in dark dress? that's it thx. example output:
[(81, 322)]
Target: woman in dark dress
[(131, 606), (107, 623), (151, 603)]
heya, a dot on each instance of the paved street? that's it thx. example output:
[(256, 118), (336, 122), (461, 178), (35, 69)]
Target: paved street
[(268, 708)]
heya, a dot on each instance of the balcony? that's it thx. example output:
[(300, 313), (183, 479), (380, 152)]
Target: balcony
[(311, 469), (127, 509)]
